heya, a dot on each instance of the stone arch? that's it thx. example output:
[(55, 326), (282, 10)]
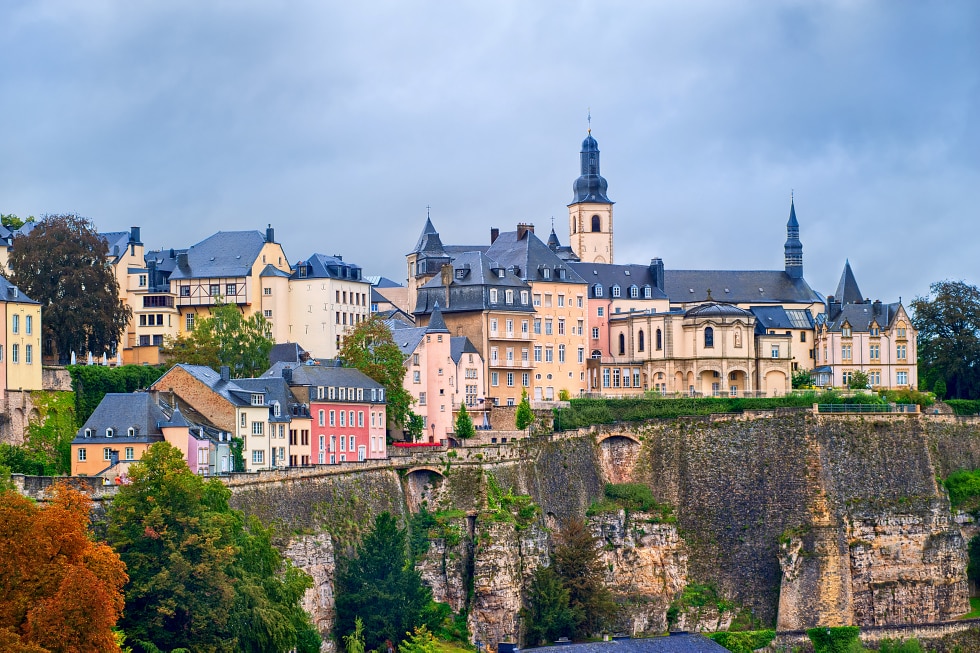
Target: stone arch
[(423, 485), (775, 383), (618, 453)]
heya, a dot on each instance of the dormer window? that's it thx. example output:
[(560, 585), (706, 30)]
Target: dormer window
[(845, 330), (301, 270), (546, 273), (634, 292), (109, 432), (647, 292), (460, 273), (275, 408), (88, 433), (874, 330), (509, 296), (493, 296), (615, 290), (597, 289), (131, 432), (258, 400), (524, 297)]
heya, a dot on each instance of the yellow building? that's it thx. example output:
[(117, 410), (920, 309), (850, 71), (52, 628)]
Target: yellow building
[(20, 340)]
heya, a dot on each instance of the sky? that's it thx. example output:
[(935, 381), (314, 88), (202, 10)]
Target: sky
[(340, 123)]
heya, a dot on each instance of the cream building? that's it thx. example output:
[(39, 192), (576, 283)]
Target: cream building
[(20, 340), (326, 297), (713, 349), (857, 335), (590, 215)]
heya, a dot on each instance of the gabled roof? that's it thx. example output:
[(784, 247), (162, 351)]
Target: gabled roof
[(11, 293), (287, 351), (847, 288), (272, 271), (116, 242), (408, 338), (459, 345), (525, 251), (737, 286), (224, 254), (275, 390), (379, 281), (226, 389), (120, 412), (328, 375), (860, 316), (608, 275)]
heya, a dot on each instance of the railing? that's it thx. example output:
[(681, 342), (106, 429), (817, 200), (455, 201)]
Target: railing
[(868, 408)]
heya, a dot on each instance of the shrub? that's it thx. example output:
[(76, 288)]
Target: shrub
[(745, 641), (841, 639)]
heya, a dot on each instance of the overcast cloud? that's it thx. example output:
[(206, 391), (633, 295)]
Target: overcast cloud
[(340, 122)]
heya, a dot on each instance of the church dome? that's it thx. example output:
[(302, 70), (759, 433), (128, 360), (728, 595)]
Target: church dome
[(716, 309), (590, 186)]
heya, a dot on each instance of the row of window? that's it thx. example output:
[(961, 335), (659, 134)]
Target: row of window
[(106, 454), (214, 290), (334, 393), (111, 432), (346, 418), (509, 378), (15, 354), (15, 323), (620, 378), (874, 353), (342, 440), (874, 377), (616, 291)]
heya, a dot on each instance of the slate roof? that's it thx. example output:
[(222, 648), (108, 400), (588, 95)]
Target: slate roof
[(379, 281), (608, 275), (275, 390), (116, 242), (459, 345), (287, 351), (272, 271), (328, 375), (737, 286), (121, 411), (717, 309), (11, 293), (224, 254), (531, 256), (680, 643), (407, 338), (777, 317), (321, 266), (859, 316), (847, 288), (473, 275), (226, 389)]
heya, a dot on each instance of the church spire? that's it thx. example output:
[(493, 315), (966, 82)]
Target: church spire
[(793, 249), (590, 186)]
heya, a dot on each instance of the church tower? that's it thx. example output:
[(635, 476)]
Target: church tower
[(590, 215), (793, 249)]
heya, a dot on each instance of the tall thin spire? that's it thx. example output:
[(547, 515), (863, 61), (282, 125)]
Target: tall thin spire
[(793, 249)]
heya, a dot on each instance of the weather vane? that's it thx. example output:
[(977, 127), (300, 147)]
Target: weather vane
[(427, 211), (590, 119)]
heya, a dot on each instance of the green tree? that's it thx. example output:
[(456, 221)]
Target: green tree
[(464, 424), (371, 348), (524, 417), (226, 337), (802, 379), (61, 263), (380, 584), (354, 643), (948, 322), (202, 576), (12, 222), (548, 615), (90, 383), (419, 640), (577, 563), (414, 424), (939, 389), (859, 380)]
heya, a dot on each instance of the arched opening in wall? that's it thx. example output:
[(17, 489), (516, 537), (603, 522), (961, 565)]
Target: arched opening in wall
[(640, 341), (617, 457), (422, 487), (660, 340), (596, 223), (709, 337), (775, 383), (737, 383), (691, 388), (622, 344)]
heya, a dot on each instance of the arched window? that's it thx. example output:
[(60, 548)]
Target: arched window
[(88, 433), (131, 432), (622, 344), (647, 292), (641, 342), (596, 223), (109, 433), (709, 337), (660, 340), (596, 353)]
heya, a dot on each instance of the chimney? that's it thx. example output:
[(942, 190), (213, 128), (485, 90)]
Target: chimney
[(876, 307), (134, 235), (657, 272), (287, 374), (522, 229), (270, 234), (446, 274), (225, 373), (833, 308), (494, 232), (182, 260)]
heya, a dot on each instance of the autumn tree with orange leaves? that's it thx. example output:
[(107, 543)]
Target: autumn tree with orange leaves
[(60, 591)]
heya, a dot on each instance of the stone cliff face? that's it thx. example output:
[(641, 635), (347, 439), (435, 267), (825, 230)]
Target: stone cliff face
[(793, 520), (314, 554)]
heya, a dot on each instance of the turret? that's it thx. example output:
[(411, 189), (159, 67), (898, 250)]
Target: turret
[(793, 248)]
